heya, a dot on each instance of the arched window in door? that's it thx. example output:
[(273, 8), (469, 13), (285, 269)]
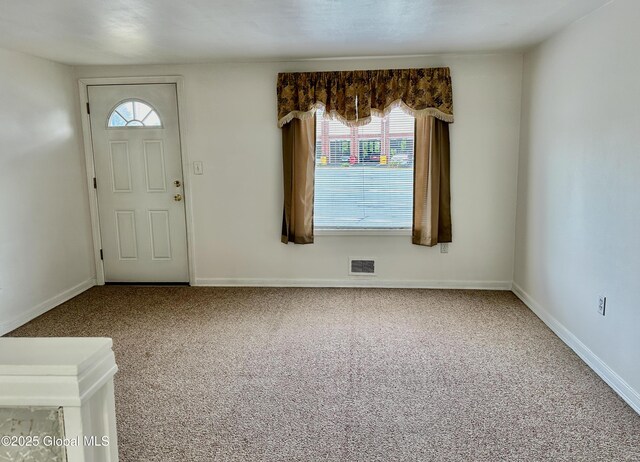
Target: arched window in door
[(134, 113)]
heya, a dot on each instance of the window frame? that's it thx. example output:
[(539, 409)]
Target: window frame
[(355, 139), (136, 127), (362, 231)]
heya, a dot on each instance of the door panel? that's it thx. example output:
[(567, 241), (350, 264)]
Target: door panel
[(120, 166), (138, 164), (160, 234), (154, 166), (126, 231)]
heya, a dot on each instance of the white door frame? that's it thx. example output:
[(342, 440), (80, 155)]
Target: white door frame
[(91, 172)]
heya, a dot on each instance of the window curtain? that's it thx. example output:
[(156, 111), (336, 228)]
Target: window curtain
[(431, 188), (298, 161), (352, 97)]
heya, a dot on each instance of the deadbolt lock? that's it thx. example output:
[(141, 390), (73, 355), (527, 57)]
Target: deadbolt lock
[(177, 197), (177, 183)]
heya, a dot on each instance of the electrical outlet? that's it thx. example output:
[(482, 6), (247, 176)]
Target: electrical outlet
[(444, 247), (602, 305)]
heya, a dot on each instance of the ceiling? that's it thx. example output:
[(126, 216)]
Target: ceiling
[(179, 31)]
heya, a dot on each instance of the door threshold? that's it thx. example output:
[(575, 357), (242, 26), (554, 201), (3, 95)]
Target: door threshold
[(151, 284)]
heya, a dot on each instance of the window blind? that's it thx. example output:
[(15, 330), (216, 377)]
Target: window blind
[(364, 175)]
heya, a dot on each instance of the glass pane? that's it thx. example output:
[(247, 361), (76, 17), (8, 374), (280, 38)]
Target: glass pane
[(134, 114), (116, 120), (28, 429), (372, 128), (338, 128), (126, 110), (152, 120), (399, 122), (140, 110), (369, 150), (339, 152), (364, 176), (400, 152)]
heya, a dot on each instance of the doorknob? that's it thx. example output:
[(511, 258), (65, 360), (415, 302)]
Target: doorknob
[(177, 197), (177, 183)]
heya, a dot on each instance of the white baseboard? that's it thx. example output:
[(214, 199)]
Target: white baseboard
[(45, 306), (356, 281), (617, 383)]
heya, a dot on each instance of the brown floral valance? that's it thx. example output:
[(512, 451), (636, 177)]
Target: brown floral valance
[(353, 96)]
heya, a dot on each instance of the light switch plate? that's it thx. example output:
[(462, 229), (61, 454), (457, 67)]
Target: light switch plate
[(197, 167), (602, 305)]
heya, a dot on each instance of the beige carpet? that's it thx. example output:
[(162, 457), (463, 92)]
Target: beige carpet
[(344, 375)]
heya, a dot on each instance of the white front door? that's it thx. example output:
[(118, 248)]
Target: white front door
[(136, 149)]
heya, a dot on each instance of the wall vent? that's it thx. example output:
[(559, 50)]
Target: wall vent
[(362, 266)]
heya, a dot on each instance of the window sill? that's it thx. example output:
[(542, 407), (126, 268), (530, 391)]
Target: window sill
[(362, 232)]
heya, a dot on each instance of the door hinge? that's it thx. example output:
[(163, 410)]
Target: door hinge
[(101, 255), (88, 109), (95, 183)]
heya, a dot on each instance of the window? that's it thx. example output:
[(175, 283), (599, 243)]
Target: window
[(133, 113), (364, 175)]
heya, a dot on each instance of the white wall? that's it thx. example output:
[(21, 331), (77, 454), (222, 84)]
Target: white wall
[(45, 241), (578, 226), (231, 126)]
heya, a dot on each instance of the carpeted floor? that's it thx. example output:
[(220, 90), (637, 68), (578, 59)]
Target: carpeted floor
[(344, 375)]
